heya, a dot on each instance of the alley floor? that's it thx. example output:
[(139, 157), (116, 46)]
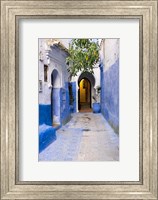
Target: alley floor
[(86, 137)]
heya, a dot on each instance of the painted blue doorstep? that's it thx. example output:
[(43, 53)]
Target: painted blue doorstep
[(47, 134)]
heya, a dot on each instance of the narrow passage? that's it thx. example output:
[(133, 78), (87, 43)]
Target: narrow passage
[(86, 137)]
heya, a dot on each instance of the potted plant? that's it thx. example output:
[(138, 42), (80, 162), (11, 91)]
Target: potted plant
[(96, 104)]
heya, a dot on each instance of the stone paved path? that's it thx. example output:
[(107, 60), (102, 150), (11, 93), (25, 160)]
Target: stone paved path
[(86, 137)]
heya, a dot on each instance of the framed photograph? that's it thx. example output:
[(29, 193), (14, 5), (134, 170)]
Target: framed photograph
[(78, 99), (76, 122)]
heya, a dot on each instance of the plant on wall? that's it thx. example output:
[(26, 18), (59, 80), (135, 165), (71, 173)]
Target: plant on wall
[(96, 97), (83, 54)]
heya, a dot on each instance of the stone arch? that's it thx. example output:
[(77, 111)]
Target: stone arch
[(87, 76)]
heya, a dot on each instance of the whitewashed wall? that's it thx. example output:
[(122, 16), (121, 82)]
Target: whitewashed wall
[(44, 96), (111, 52), (53, 61)]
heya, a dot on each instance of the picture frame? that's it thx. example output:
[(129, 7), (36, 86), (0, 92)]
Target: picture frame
[(11, 187)]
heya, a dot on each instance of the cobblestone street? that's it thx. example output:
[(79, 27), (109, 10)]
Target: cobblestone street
[(86, 137)]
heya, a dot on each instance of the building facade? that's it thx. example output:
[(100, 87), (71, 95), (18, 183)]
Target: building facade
[(54, 99)]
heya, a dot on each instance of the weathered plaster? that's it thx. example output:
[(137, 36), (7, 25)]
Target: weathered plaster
[(110, 82), (55, 93)]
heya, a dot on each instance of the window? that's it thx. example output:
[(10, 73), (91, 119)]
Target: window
[(45, 73)]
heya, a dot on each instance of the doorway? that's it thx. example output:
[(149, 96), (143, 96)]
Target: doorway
[(55, 98), (84, 95)]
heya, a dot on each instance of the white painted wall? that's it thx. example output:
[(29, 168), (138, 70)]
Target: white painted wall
[(65, 42), (44, 96), (53, 61), (109, 52), (97, 75)]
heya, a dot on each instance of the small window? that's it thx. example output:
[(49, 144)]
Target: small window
[(45, 73)]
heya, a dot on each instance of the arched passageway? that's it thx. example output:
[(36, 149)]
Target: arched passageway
[(86, 82), (84, 94), (55, 97)]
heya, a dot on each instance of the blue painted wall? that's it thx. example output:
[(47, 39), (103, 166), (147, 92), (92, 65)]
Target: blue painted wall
[(61, 107), (110, 95), (56, 103), (64, 103), (47, 134), (45, 114), (74, 96)]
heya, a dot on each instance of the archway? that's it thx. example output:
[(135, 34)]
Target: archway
[(84, 95), (55, 97), (88, 76), (91, 80), (55, 79)]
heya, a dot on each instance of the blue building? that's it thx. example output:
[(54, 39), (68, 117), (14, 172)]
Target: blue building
[(54, 95)]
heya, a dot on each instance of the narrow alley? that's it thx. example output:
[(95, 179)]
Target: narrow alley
[(86, 137), (78, 99)]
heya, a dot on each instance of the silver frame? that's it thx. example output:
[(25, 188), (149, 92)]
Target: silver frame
[(11, 12)]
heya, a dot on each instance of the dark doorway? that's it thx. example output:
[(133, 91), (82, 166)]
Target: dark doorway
[(84, 95)]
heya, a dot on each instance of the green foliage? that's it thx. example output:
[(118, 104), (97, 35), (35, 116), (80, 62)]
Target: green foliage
[(84, 53)]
